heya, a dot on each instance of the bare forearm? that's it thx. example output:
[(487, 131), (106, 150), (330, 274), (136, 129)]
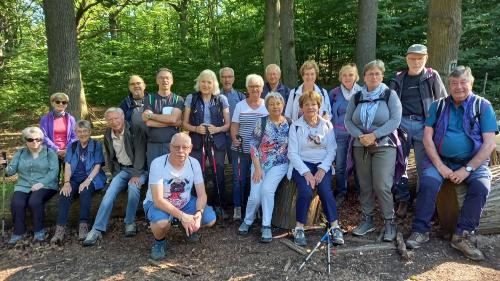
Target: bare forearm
[(484, 151)]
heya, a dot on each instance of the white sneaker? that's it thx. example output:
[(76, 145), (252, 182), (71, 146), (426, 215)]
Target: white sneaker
[(237, 213)]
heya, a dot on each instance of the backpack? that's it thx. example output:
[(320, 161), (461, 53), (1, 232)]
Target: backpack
[(324, 95), (402, 134), (476, 109)]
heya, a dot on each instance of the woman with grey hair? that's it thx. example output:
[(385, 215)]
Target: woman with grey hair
[(206, 117), (268, 150), (372, 117), (37, 172), (83, 175), (245, 116)]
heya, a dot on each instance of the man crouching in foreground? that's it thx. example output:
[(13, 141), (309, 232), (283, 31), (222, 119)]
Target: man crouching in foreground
[(171, 178)]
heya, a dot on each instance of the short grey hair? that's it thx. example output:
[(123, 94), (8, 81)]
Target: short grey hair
[(164, 69), (181, 135), (210, 74), (273, 95), (31, 132), (273, 65), (462, 70), (254, 77), (374, 64), (83, 124), (113, 109), (226, 69)]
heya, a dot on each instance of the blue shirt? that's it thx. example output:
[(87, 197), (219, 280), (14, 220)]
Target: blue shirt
[(457, 144), (233, 97)]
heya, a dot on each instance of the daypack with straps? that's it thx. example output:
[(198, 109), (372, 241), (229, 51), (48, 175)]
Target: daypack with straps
[(323, 93), (476, 109)]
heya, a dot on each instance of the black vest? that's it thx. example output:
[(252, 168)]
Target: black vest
[(216, 118)]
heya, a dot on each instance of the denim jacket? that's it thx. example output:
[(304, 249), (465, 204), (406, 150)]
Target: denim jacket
[(95, 157)]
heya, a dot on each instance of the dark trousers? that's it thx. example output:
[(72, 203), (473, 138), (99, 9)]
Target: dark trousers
[(305, 195), (218, 196), (36, 202), (85, 201)]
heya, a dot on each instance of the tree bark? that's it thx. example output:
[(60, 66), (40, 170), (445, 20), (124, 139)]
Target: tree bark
[(271, 33), (443, 36), (366, 41), (289, 62), (63, 54)]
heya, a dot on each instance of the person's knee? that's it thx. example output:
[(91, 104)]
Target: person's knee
[(160, 226), (480, 187), (211, 223)]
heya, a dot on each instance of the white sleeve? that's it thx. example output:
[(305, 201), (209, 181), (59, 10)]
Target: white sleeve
[(198, 174), (155, 171), (293, 151), (236, 113), (331, 147), (289, 104)]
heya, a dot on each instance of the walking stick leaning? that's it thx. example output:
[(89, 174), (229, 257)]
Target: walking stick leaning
[(240, 179), (4, 157), (325, 238), (210, 154)]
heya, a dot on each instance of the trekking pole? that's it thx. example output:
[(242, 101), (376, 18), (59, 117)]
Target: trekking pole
[(325, 238), (4, 157), (211, 154), (240, 179)]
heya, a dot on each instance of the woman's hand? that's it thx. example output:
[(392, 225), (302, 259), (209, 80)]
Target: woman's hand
[(257, 175), (36, 186), (66, 189), (311, 181), (367, 139), (319, 175), (200, 129), (84, 185), (212, 129), (61, 153)]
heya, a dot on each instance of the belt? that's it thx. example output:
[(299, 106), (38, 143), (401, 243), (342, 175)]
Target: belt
[(461, 161), (126, 166), (414, 117)]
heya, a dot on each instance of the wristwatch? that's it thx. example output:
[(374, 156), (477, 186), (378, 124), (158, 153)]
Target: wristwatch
[(469, 169), (149, 115)]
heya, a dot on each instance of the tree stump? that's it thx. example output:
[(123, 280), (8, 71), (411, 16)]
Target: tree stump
[(284, 206), (450, 199)]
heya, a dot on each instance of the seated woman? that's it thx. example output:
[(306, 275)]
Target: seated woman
[(83, 176), (311, 150), (37, 169), (371, 118), (206, 117), (268, 150), (58, 126)]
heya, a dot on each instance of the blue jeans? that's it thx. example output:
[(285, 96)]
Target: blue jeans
[(478, 188), (117, 185), (85, 202), (414, 126), (239, 189), (156, 215), (341, 178), (305, 195)]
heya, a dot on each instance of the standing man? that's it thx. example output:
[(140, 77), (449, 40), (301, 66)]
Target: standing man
[(273, 84), (459, 137), (417, 87), (124, 150), (171, 179), (226, 75), (162, 115), (133, 104)]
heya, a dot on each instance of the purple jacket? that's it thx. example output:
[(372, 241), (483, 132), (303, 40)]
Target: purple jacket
[(47, 127)]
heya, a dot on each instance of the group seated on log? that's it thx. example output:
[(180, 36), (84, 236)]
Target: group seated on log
[(315, 137)]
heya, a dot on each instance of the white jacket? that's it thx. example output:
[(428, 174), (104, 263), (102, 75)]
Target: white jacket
[(292, 106)]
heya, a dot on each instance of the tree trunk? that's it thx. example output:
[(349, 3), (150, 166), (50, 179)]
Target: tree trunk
[(271, 33), (366, 41), (63, 55), (443, 36), (289, 62)]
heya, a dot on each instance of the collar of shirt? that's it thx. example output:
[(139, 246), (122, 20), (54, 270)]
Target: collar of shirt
[(120, 135)]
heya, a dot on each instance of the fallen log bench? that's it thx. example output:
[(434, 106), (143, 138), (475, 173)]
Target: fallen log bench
[(450, 199)]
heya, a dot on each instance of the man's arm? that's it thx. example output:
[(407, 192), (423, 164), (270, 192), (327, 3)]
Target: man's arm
[(163, 204), (163, 120), (430, 149)]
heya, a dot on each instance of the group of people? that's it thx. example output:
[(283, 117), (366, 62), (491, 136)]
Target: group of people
[(306, 133)]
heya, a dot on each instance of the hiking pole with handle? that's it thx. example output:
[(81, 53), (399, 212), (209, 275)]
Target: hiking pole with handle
[(4, 157), (326, 238), (209, 142), (240, 179)]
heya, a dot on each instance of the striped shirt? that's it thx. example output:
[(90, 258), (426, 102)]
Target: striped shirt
[(247, 118)]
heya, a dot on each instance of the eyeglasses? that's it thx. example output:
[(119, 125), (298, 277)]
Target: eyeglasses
[(374, 74), (135, 83), (33, 139), (63, 102), (178, 147)]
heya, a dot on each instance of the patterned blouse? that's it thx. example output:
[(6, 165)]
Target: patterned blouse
[(273, 147)]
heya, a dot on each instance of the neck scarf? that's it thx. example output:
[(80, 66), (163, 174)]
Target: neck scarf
[(348, 94), (368, 109), (59, 114)]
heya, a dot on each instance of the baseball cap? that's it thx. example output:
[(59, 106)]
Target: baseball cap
[(417, 49)]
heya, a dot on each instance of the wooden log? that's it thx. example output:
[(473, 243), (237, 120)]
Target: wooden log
[(284, 206)]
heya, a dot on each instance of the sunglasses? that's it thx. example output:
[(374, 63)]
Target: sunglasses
[(34, 139), (61, 102)]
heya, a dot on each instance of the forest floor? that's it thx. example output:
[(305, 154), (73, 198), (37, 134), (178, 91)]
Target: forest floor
[(223, 255)]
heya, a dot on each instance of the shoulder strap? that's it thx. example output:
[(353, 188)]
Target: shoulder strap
[(440, 107), (357, 97), (241, 96), (476, 110), (73, 147)]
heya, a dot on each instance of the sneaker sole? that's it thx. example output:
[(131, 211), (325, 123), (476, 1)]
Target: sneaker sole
[(467, 256)]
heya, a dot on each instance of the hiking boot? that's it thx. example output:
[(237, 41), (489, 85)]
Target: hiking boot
[(83, 230), (243, 229), (364, 227), (267, 234), (39, 236), (221, 214), (402, 209), (92, 237), (237, 213), (58, 235), (336, 236), (339, 199), (130, 229), (15, 238), (465, 244), (158, 250), (299, 237), (389, 230), (416, 240)]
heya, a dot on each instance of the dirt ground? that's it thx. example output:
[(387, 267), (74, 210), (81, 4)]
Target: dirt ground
[(223, 255)]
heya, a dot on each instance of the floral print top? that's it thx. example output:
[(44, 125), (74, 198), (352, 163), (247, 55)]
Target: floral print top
[(273, 147)]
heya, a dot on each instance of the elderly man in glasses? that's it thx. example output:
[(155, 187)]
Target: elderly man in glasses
[(133, 104)]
